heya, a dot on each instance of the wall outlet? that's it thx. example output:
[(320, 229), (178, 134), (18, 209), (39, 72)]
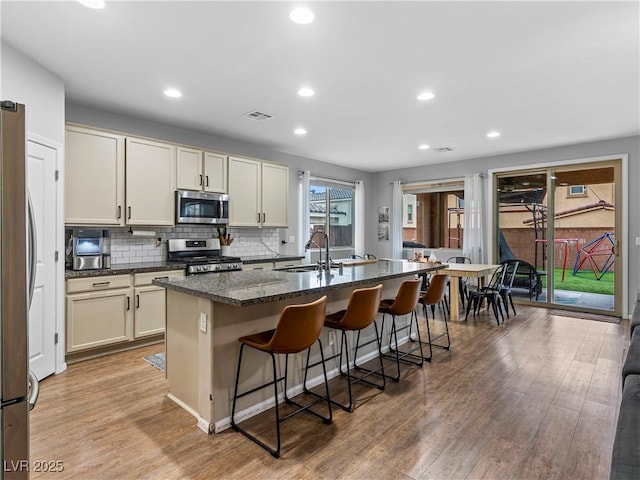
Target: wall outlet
[(203, 322), (292, 239), (637, 240)]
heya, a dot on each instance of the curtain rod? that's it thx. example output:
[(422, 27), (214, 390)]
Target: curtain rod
[(437, 180), (321, 177)]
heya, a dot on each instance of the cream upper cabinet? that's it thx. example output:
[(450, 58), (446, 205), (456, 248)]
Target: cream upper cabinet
[(244, 192), (189, 169), (151, 184), (198, 170), (215, 172), (94, 177), (258, 193), (275, 195)]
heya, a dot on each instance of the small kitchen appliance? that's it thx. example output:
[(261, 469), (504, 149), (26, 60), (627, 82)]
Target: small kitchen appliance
[(201, 255), (90, 249)]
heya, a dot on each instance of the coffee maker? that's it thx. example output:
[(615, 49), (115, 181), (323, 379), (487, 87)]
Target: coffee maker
[(89, 249)]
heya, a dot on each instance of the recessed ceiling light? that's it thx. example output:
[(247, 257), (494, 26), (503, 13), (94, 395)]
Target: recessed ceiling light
[(426, 96), (300, 131), (95, 4), (493, 134), (306, 92), (173, 93), (424, 146), (302, 16)]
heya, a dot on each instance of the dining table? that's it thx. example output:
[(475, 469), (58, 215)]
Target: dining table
[(465, 270)]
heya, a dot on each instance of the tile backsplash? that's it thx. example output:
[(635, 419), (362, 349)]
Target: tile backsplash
[(126, 248)]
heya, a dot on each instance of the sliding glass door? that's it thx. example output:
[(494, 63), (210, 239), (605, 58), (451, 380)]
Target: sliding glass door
[(561, 223)]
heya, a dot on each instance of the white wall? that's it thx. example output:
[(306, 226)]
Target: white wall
[(25, 81), (629, 145)]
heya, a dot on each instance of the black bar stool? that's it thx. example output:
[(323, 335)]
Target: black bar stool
[(360, 313), (405, 303), (298, 329)]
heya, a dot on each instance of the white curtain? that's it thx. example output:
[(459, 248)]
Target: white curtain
[(359, 218), (396, 220), (474, 218), (303, 201)]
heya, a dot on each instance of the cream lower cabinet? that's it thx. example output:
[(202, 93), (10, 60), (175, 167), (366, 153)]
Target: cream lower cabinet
[(150, 305), (114, 309), (99, 312)]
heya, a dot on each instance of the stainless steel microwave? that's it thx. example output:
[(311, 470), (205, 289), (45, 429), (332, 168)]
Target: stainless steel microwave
[(201, 207)]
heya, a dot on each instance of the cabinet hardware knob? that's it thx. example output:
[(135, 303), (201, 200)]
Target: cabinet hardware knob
[(137, 301), (207, 178), (119, 211), (200, 180), (129, 212), (264, 217), (128, 303), (101, 284)]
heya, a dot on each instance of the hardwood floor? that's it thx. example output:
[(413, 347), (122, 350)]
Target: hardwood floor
[(536, 397)]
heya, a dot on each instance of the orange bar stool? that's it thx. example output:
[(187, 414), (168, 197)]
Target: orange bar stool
[(361, 312), (405, 303), (298, 329), (435, 295)]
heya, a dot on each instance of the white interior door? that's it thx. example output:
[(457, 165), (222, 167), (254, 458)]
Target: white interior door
[(42, 314)]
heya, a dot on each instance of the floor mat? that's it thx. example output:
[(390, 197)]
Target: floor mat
[(586, 316), (157, 360)]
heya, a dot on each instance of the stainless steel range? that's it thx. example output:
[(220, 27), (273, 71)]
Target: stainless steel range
[(201, 255)]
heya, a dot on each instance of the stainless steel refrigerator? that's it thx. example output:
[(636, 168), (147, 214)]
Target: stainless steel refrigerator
[(18, 389)]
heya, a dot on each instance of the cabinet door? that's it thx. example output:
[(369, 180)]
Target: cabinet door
[(150, 182), (94, 177), (97, 319), (275, 195), (244, 192), (150, 311), (215, 173), (189, 175)]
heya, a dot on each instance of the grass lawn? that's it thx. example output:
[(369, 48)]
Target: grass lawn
[(584, 281)]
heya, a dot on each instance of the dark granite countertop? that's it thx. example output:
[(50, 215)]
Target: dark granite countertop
[(270, 258), (126, 268), (255, 287)]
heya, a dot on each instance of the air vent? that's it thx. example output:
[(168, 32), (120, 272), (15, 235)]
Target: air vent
[(443, 149), (257, 116)]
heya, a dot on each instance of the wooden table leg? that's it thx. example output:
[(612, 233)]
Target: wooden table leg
[(454, 301)]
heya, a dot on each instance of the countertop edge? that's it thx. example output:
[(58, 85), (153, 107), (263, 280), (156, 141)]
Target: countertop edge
[(292, 294)]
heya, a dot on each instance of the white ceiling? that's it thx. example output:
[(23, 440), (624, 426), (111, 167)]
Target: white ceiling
[(542, 73)]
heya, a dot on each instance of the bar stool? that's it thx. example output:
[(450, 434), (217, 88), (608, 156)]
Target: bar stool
[(405, 303), (432, 297), (298, 329), (360, 313)]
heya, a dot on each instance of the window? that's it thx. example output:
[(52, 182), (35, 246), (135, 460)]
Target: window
[(331, 210), (433, 213), (577, 190)]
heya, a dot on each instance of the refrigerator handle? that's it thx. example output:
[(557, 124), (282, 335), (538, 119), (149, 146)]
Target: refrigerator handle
[(33, 250), (35, 390)]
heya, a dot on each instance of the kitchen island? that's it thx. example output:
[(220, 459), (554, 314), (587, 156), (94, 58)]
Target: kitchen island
[(207, 313)]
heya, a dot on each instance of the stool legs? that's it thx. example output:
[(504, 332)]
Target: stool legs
[(278, 419), (399, 355)]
